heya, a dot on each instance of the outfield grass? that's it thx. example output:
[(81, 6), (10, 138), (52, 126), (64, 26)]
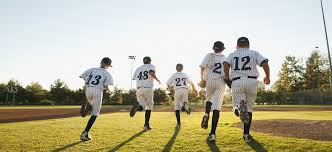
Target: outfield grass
[(119, 132)]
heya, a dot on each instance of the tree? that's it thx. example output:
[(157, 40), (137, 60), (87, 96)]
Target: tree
[(129, 97), (59, 92), (35, 93), (316, 72), (116, 96), (290, 75), (160, 96)]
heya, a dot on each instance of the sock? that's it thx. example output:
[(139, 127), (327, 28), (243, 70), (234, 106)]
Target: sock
[(90, 123), (177, 114), (147, 116), (246, 127), (215, 119), (207, 108)]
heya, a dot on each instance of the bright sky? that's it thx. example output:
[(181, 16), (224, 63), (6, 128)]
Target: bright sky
[(43, 40)]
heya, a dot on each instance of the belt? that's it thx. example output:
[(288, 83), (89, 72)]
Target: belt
[(143, 87), (237, 78)]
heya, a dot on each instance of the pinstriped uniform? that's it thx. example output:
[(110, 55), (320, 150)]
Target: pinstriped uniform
[(180, 83), (214, 75), (95, 79), (243, 63), (144, 84)]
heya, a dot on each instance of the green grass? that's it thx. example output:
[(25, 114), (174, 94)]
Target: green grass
[(119, 132)]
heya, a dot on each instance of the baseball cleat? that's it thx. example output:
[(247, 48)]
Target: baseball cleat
[(247, 138), (147, 127), (186, 108), (205, 122), (211, 138), (85, 136), (244, 115), (236, 112), (178, 126), (86, 108), (136, 107)]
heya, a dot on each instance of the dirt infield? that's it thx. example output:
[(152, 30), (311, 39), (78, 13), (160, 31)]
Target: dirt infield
[(309, 129), (17, 115)]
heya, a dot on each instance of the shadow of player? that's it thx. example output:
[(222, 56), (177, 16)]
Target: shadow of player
[(171, 141), (257, 146), (67, 146), (127, 141), (213, 147)]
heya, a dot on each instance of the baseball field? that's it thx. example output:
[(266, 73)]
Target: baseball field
[(274, 128)]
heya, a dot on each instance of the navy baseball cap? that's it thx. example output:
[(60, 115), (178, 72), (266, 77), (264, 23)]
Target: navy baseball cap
[(146, 59), (179, 65), (106, 61), (219, 45), (242, 40)]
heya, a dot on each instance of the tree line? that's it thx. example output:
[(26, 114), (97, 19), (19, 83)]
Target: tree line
[(300, 81)]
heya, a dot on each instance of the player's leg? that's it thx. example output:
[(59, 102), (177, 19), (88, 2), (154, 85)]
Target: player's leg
[(217, 100), (208, 104), (184, 101), (138, 105), (251, 98), (148, 94), (96, 106), (177, 106)]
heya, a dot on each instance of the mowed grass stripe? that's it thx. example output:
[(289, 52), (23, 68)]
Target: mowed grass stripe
[(119, 132)]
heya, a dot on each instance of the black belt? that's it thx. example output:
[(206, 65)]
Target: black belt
[(143, 87), (237, 78)]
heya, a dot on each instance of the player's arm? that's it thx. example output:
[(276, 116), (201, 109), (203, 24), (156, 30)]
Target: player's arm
[(153, 75), (226, 70), (266, 69), (202, 72)]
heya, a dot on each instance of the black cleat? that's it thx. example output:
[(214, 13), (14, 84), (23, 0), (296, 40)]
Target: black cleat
[(247, 138), (136, 107), (211, 138), (244, 115), (86, 108), (205, 122), (147, 127), (186, 108)]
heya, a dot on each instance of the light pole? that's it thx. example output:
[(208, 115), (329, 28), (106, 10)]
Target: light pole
[(327, 43), (132, 58)]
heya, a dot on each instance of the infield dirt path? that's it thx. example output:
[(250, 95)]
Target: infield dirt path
[(18, 115)]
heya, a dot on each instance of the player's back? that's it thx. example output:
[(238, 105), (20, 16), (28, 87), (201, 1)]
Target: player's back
[(212, 62), (179, 80), (143, 77), (96, 77), (243, 62)]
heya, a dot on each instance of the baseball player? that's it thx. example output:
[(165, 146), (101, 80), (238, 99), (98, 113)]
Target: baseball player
[(243, 63), (212, 76), (96, 80), (179, 82), (144, 76)]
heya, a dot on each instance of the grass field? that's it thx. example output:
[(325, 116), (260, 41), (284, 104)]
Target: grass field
[(119, 132)]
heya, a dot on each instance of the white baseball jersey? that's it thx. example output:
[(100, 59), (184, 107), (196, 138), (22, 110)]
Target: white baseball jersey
[(213, 64), (95, 79), (243, 62), (179, 80), (142, 76)]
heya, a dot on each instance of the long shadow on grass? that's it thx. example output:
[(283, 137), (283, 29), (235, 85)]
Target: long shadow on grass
[(255, 145), (127, 141), (213, 147), (67, 146), (171, 141)]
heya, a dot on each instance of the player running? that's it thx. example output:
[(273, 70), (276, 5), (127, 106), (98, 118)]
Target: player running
[(144, 76), (212, 76), (96, 81), (243, 63), (179, 82)]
